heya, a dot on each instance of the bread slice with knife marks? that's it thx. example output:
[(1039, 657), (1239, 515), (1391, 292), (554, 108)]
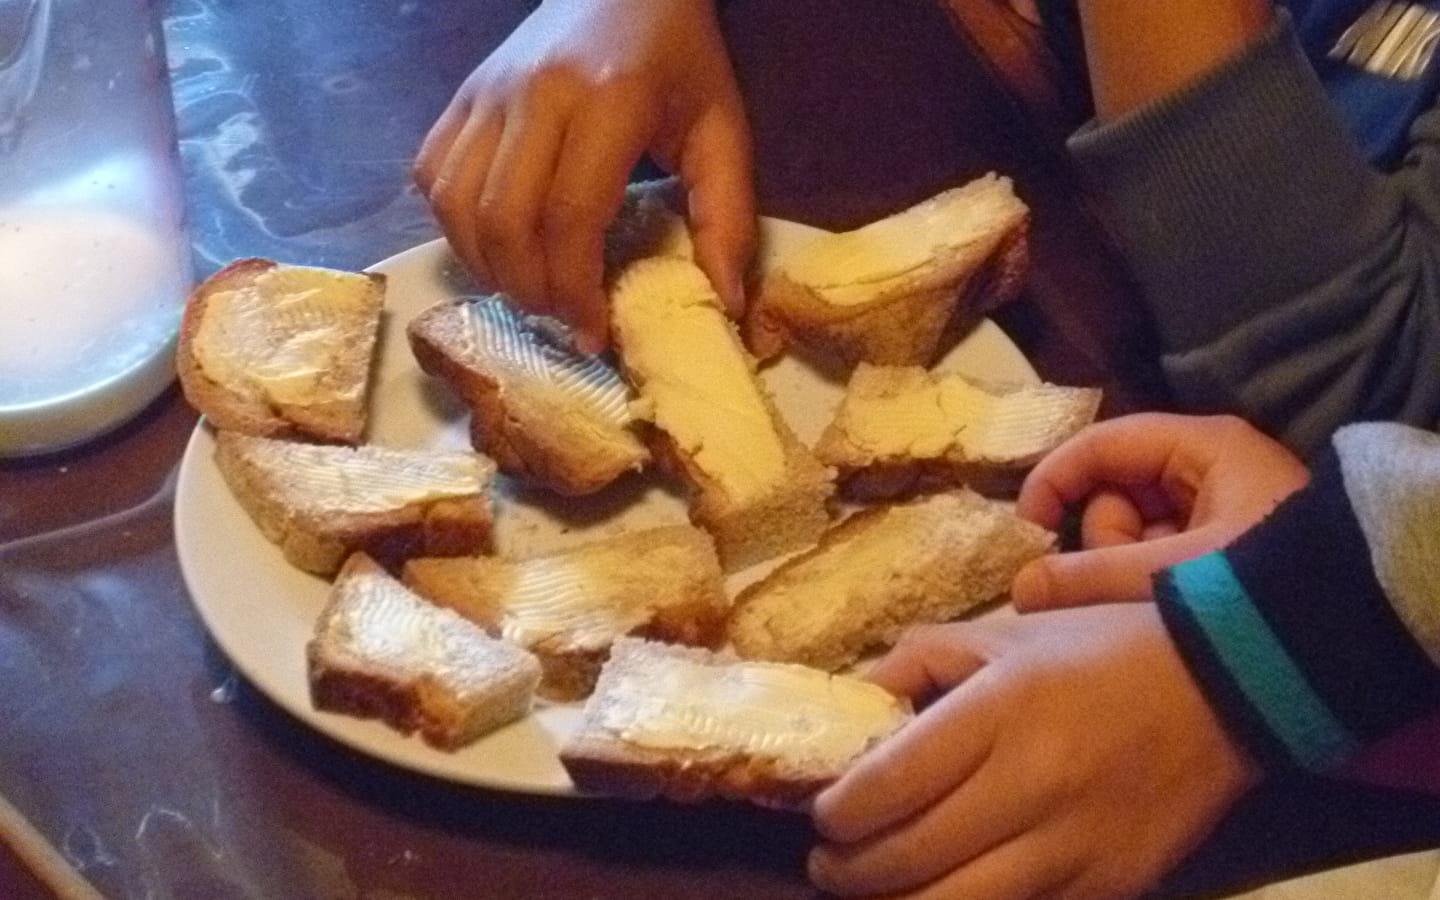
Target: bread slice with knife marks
[(902, 430), (899, 290), (548, 414), (379, 651), (320, 503), (880, 571), (282, 351), (568, 607), (753, 485), (690, 724)]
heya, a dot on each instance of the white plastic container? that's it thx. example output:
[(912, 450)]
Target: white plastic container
[(94, 257)]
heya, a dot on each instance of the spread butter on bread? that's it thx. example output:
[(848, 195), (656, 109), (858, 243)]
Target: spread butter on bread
[(880, 571), (282, 351), (902, 430), (548, 414), (755, 487), (320, 503), (690, 724), (568, 607), (380, 651), (899, 290)]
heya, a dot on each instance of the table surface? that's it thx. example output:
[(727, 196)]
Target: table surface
[(126, 739)]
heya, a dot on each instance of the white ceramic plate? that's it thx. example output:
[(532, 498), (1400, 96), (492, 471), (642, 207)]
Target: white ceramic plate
[(260, 610)]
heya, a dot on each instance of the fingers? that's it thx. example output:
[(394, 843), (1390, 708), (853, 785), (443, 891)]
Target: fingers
[(589, 186), (1132, 450), (1116, 574), (927, 660), (907, 773), (456, 174), (715, 166)]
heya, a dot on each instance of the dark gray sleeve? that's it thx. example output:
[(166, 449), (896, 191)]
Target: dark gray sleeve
[(1290, 281)]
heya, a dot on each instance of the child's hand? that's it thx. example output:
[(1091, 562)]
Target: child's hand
[(529, 163), (1155, 489), (1072, 757)]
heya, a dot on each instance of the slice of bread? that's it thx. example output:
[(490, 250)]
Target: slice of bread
[(904, 430), (569, 607), (690, 724), (321, 503), (282, 351), (756, 488), (548, 414), (379, 651), (651, 222), (900, 290), (881, 571)]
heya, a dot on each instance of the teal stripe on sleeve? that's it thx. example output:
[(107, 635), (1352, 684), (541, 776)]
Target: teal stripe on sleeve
[(1260, 664)]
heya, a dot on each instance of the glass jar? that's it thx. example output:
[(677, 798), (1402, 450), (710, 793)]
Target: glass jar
[(94, 257)]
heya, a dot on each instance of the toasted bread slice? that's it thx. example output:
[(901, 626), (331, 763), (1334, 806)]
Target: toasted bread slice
[(282, 351), (903, 430), (754, 486), (381, 652), (321, 503), (899, 290), (548, 414), (569, 607), (689, 724), (881, 571)]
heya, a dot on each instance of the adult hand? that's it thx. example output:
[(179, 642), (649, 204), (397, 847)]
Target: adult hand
[(1069, 756), (529, 162), (1154, 489)]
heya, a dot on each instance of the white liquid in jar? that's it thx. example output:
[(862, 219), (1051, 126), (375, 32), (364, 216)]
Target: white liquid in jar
[(86, 295)]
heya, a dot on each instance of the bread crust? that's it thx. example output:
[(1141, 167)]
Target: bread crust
[(409, 701), (667, 580), (913, 323), (868, 476), (339, 420), (319, 540), (921, 562), (514, 420), (602, 762)]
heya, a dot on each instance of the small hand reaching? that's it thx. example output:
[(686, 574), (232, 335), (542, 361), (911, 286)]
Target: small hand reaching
[(1155, 489)]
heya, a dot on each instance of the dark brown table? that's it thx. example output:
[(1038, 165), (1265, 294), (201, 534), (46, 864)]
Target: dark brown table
[(136, 756)]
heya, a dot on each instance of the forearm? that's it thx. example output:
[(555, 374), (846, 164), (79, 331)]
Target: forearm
[(1140, 51)]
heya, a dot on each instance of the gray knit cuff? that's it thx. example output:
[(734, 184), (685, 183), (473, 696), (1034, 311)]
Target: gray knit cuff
[(1238, 192)]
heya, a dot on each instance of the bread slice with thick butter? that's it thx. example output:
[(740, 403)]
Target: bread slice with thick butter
[(903, 430), (320, 503), (282, 351), (379, 651), (548, 414), (898, 290), (690, 724), (881, 571), (568, 607), (756, 488)]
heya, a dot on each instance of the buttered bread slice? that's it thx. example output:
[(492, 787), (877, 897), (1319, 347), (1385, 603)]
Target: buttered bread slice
[(321, 503), (690, 724), (548, 414), (881, 571), (381, 652), (569, 607), (755, 487), (898, 290), (901, 430), (282, 351)]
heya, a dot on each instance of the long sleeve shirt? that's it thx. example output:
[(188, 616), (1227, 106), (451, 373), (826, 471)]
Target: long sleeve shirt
[(1316, 635), (1282, 217)]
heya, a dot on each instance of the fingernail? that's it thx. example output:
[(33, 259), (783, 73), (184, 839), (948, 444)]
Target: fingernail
[(586, 342), (1031, 588)]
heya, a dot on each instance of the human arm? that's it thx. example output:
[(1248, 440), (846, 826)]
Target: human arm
[(528, 164), (1289, 278)]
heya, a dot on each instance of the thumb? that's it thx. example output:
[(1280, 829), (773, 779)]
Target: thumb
[(1118, 574), (716, 169)]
